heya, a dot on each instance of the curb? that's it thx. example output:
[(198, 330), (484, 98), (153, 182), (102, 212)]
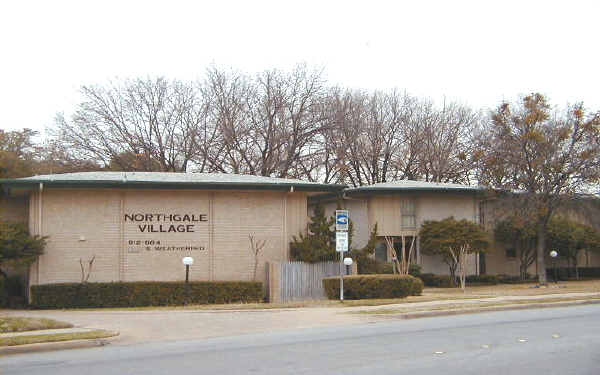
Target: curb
[(476, 310), (57, 345)]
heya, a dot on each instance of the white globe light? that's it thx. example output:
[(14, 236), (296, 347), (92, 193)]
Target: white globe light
[(348, 261), (188, 261), (553, 254)]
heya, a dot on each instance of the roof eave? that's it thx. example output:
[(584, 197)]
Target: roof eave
[(411, 189), (173, 185)]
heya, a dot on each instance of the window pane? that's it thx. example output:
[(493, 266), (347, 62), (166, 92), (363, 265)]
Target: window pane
[(408, 221), (408, 207)]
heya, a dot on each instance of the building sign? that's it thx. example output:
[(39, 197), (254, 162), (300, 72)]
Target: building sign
[(165, 223), (165, 232)]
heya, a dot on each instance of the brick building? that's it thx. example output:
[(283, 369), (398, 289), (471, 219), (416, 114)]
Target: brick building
[(139, 225)]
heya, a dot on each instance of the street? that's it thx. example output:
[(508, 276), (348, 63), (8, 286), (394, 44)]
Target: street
[(544, 341)]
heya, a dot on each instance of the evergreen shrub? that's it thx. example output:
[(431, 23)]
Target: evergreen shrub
[(143, 293), (373, 286), (506, 279), (568, 273), (436, 281), (3, 293), (482, 279)]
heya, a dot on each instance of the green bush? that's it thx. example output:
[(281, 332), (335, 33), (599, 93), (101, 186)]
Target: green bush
[(436, 281), (387, 268), (14, 286), (414, 270), (15, 292), (568, 273), (3, 293), (482, 279), (373, 286), (143, 293), (370, 266), (506, 279)]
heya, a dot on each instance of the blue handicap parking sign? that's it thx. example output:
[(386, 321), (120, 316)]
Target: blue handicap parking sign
[(341, 220)]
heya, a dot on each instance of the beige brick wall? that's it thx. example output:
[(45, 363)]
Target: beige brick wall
[(82, 223)]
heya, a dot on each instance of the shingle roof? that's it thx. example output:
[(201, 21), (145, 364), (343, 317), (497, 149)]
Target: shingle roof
[(171, 180)]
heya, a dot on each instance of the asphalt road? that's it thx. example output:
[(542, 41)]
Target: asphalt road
[(546, 341)]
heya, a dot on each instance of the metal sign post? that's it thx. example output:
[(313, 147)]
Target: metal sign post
[(341, 242)]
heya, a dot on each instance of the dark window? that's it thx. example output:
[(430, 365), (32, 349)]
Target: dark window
[(482, 269), (511, 253), (381, 252)]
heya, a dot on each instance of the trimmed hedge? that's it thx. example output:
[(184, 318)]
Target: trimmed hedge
[(507, 279), (3, 293), (568, 273), (373, 286), (144, 293), (482, 279), (436, 281)]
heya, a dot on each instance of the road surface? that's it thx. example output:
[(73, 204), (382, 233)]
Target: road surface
[(545, 341)]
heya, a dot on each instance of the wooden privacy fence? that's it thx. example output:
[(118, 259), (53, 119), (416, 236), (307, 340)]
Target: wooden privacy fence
[(299, 281)]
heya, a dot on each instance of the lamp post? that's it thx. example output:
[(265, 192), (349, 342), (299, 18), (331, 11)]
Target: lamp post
[(554, 254), (188, 261), (347, 262)]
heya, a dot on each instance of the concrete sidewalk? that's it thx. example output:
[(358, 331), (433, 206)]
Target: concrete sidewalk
[(141, 326)]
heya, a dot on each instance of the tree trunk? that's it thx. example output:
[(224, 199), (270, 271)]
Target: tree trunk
[(523, 269), (453, 274), (541, 253)]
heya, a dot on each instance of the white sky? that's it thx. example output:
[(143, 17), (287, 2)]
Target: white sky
[(476, 52)]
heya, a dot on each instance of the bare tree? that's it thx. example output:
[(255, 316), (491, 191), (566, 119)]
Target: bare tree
[(268, 123), (374, 133), (85, 276), (154, 120), (401, 261), (256, 247), (446, 142)]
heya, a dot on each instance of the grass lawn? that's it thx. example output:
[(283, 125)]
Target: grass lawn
[(17, 324), (36, 339), (585, 286), (465, 306)]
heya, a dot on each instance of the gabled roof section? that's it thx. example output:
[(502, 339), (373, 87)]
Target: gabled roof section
[(409, 185), (169, 180), (402, 186)]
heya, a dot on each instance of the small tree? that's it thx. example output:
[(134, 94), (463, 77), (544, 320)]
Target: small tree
[(521, 236), (17, 246), (569, 238), (401, 264), (591, 239), (256, 247), (86, 276), (318, 244), (453, 240), (547, 157)]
